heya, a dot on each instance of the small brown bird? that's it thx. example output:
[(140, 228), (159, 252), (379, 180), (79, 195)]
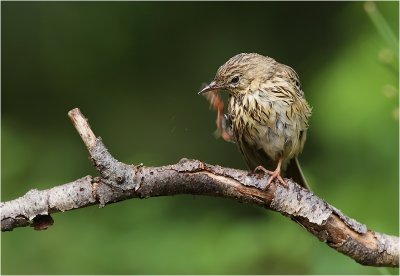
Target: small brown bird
[(267, 111)]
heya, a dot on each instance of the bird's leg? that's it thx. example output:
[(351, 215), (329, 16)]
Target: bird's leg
[(274, 174), (217, 104), (226, 128)]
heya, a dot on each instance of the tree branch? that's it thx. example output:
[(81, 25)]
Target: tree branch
[(120, 181)]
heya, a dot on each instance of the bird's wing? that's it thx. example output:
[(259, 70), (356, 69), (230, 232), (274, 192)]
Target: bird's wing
[(293, 79)]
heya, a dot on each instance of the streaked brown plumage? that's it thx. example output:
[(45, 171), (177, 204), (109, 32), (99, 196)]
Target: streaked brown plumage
[(268, 113)]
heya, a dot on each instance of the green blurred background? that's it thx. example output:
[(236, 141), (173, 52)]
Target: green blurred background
[(134, 69)]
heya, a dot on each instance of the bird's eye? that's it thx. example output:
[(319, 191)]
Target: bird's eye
[(235, 80)]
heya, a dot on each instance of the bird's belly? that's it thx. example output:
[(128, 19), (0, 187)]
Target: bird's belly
[(275, 136), (275, 141)]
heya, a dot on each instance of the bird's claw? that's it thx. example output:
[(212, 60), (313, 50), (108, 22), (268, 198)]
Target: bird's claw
[(273, 174)]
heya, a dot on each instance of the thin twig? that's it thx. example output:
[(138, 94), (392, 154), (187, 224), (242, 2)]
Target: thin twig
[(82, 126)]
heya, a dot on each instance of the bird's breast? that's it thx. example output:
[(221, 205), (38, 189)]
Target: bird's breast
[(265, 124)]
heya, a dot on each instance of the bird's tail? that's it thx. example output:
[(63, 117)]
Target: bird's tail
[(294, 171)]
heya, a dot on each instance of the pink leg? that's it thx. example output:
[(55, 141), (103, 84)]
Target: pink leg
[(273, 174)]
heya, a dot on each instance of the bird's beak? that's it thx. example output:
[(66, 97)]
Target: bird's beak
[(211, 87)]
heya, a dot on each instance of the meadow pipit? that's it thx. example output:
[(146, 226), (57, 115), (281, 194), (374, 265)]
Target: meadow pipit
[(267, 112)]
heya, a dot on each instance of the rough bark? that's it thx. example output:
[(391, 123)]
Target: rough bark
[(119, 181)]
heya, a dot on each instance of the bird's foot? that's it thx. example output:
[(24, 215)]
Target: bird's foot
[(273, 174)]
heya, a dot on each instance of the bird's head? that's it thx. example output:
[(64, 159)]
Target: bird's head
[(240, 73)]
